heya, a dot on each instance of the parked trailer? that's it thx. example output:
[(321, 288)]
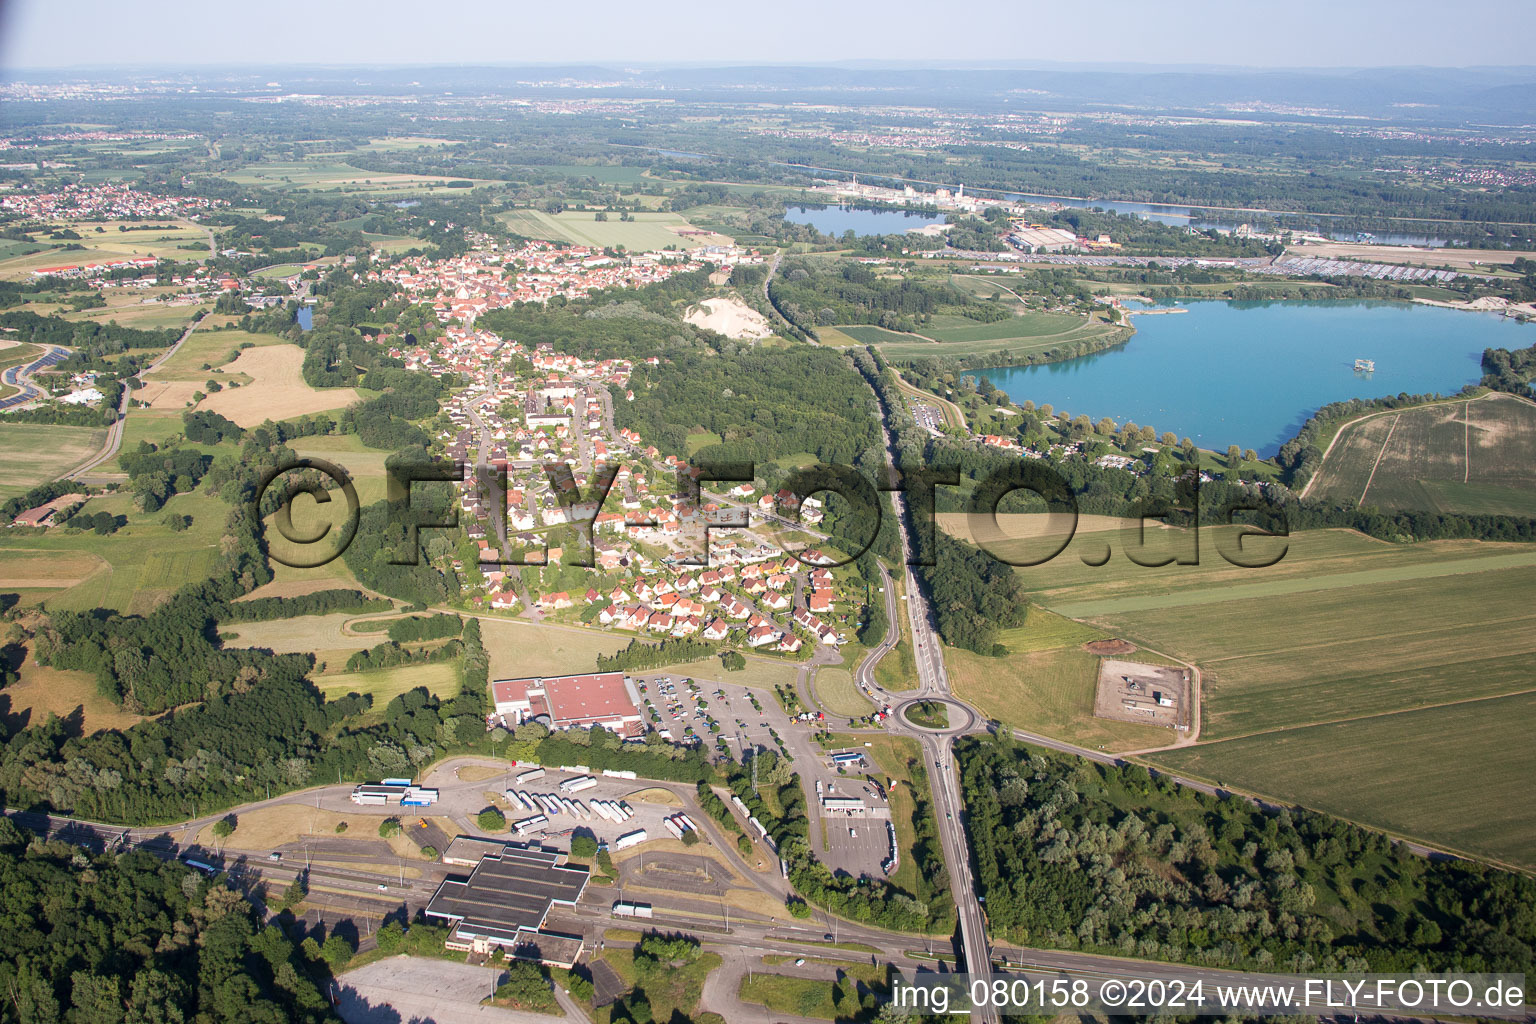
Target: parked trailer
[(629, 839), (425, 794), (578, 784), (567, 806), (528, 826), (394, 782), (625, 809), (673, 827), (549, 803), (581, 810), (688, 822), (529, 776), (418, 802), (628, 909), (369, 798)]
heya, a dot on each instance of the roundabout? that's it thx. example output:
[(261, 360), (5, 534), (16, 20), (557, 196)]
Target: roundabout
[(936, 716)]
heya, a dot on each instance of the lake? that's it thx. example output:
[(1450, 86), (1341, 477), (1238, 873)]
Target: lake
[(834, 220), (1251, 373), (1202, 220), (305, 317)]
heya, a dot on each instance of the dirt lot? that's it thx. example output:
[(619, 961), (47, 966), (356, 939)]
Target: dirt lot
[(1407, 254), (1132, 692)]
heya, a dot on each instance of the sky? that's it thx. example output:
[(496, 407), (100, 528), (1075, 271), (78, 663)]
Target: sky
[(1259, 33)]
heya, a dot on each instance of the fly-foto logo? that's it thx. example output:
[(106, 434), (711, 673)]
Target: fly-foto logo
[(855, 505)]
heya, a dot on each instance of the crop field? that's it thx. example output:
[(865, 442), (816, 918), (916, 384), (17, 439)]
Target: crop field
[(363, 464), (143, 562), (146, 316), (320, 635), (1046, 690), (646, 232), (839, 694), (109, 244), (1342, 632), (1410, 772), (216, 349), (32, 453), (42, 691), (277, 390), (1471, 457), (330, 175)]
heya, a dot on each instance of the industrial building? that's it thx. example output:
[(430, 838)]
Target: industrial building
[(505, 900), (566, 702)]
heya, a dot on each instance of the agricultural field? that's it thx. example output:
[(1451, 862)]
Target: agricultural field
[(646, 232), (363, 464), (1407, 772), (1472, 457), (139, 566), (179, 240), (33, 453), (1345, 635), (214, 349), (1046, 685), (330, 175), (40, 692), (277, 390)]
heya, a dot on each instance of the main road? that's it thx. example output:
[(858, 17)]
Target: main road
[(938, 748)]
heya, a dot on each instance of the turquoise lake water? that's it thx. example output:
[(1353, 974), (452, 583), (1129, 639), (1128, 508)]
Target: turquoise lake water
[(1251, 373)]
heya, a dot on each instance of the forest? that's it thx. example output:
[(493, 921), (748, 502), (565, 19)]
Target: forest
[(1071, 854), (813, 294), (765, 403), (128, 937)]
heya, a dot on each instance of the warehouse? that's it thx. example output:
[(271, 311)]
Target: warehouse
[(504, 902), (566, 702)]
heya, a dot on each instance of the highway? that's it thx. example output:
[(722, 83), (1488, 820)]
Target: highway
[(938, 747)]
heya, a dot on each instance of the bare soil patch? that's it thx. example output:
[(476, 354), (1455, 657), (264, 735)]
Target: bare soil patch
[(1109, 648), (277, 390)]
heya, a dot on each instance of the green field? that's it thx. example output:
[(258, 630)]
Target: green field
[(646, 232), (109, 244), (1468, 457), (1025, 335), (1413, 773), (211, 348), (809, 997), (143, 562), (327, 174), (839, 695), (385, 684), (1342, 632), (34, 453)]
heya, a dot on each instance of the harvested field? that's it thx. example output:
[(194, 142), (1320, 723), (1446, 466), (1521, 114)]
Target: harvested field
[(1409, 773), (277, 390), (1470, 457), (24, 569)]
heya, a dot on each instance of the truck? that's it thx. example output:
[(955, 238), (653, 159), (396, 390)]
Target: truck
[(528, 826), (629, 839), (673, 827), (625, 908), (526, 777), (577, 784)]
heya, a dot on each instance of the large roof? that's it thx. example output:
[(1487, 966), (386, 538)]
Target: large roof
[(507, 892), (570, 700)]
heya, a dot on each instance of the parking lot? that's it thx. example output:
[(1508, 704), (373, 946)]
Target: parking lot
[(685, 706)]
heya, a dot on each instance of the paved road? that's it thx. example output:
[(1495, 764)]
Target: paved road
[(933, 683), (114, 439), (20, 377)]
